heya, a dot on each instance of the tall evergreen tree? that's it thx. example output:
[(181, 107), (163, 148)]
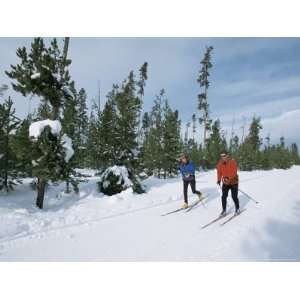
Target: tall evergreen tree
[(153, 140), (108, 137), (170, 141), (203, 81)]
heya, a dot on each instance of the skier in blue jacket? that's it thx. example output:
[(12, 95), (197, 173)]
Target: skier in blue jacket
[(187, 170)]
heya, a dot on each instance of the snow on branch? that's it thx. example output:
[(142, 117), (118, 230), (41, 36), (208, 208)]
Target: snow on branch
[(36, 128), (68, 147), (35, 75)]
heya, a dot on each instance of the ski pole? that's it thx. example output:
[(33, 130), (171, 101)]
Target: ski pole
[(256, 202)]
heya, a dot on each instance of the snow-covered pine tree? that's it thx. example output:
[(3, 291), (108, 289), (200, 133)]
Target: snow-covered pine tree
[(51, 153), (118, 128), (203, 81), (43, 72), (8, 161)]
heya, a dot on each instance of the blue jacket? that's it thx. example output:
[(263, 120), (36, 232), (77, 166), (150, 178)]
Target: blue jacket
[(187, 171)]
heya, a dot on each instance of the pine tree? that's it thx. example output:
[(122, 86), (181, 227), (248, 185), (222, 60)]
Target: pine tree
[(107, 137), (294, 153), (49, 161), (8, 161), (152, 146), (170, 141), (249, 153), (203, 81), (43, 72), (194, 126), (162, 143), (128, 108), (216, 143), (118, 127), (23, 147)]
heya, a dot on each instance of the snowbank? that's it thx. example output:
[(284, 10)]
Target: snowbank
[(36, 128), (67, 145)]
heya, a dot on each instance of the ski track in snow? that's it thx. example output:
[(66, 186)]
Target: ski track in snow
[(129, 227)]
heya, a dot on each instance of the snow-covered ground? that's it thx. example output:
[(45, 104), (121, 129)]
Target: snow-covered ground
[(129, 227)]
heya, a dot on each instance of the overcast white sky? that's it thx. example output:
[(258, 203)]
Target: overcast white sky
[(250, 76)]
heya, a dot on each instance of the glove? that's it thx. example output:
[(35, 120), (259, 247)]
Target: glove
[(226, 180), (218, 182)]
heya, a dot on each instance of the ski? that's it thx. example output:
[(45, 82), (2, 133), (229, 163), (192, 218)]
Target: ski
[(174, 211), (232, 217), (195, 204), (214, 221)]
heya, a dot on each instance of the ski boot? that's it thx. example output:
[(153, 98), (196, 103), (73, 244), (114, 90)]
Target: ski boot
[(184, 205), (223, 213), (237, 211), (200, 196)]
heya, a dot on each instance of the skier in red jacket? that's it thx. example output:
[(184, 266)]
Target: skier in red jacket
[(227, 174)]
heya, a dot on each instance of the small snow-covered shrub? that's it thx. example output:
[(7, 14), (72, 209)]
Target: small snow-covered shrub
[(116, 179)]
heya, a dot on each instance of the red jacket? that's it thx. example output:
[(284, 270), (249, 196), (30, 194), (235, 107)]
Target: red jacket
[(227, 172)]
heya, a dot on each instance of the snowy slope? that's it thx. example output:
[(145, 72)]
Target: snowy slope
[(129, 227)]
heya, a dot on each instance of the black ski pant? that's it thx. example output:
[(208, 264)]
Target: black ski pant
[(185, 188), (234, 194)]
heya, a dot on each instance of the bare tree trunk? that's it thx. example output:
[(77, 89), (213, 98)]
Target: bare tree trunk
[(41, 185)]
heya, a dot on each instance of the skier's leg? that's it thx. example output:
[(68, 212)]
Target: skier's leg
[(225, 190), (185, 190), (193, 186), (234, 195)]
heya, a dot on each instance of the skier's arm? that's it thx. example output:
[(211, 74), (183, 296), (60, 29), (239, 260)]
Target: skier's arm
[(192, 168)]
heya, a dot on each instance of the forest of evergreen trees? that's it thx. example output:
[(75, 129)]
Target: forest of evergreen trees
[(120, 134)]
